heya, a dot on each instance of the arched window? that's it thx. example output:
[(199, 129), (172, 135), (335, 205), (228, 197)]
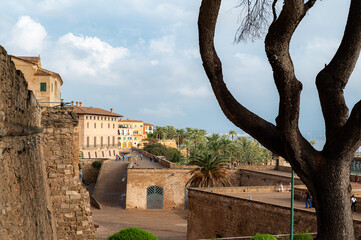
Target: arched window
[(154, 197)]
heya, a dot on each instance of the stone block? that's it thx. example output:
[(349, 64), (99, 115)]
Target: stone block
[(60, 166)]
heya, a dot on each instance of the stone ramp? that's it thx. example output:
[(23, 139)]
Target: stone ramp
[(111, 186)]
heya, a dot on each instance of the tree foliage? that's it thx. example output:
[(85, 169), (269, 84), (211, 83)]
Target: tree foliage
[(210, 171), (171, 154)]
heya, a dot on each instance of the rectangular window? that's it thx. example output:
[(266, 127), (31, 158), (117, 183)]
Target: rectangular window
[(101, 141), (52, 87), (113, 142), (108, 141), (43, 87), (87, 141), (95, 125), (87, 125), (95, 141)]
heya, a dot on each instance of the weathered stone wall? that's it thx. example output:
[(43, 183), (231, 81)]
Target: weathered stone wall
[(90, 173), (254, 178), (24, 203), (40, 193), (211, 214), (70, 199), (172, 181)]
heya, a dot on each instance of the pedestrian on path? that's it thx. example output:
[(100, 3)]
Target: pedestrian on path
[(141, 156), (308, 200), (281, 187), (353, 203)]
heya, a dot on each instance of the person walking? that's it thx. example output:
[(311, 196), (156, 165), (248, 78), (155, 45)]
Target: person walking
[(353, 203), (308, 200)]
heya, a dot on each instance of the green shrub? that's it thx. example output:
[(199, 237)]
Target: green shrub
[(263, 237), (157, 149), (302, 236), (96, 164), (133, 233)]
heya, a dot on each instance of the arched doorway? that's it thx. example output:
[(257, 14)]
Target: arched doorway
[(154, 197)]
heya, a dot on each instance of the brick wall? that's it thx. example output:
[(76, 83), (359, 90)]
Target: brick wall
[(70, 199)]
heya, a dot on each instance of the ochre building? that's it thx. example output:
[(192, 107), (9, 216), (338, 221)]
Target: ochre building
[(97, 132), (45, 84)]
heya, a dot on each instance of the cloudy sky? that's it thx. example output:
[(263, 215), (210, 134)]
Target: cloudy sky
[(141, 58)]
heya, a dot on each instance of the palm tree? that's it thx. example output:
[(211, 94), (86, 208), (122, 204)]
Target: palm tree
[(211, 171), (232, 134)]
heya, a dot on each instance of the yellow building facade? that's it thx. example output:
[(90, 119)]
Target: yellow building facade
[(97, 132), (130, 133), (45, 84)]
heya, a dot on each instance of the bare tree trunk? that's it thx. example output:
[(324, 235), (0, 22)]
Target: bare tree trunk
[(331, 196)]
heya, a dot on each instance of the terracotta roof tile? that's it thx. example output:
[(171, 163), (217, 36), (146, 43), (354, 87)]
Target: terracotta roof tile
[(129, 120), (94, 111), (34, 60)]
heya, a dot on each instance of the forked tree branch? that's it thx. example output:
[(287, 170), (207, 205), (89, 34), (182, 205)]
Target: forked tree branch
[(265, 132), (289, 88), (333, 78)]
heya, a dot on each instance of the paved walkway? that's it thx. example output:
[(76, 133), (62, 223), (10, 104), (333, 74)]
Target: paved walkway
[(166, 225), (280, 199), (111, 185), (145, 162)]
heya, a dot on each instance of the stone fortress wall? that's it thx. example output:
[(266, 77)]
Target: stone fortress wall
[(41, 196), (23, 192), (69, 198)]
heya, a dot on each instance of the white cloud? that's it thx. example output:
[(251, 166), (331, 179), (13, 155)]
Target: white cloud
[(48, 5), (194, 92), (164, 45), (250, 62), (85, 55), (154, 62), (163, 111), (28, 35)]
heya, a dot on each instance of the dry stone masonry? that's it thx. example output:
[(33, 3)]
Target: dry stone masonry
[(41, 196), (24, 212), (70, 199)]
